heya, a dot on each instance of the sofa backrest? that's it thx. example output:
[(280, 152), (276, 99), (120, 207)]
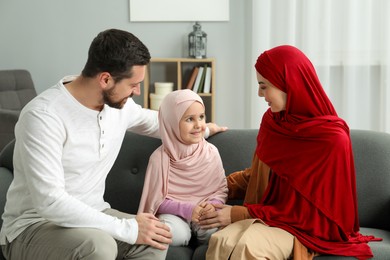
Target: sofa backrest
[(372, 163), (125, 181), (236, 147)]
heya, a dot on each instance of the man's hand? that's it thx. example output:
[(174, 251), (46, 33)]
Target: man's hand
[(152, 232), (214, 128), (219, 218)]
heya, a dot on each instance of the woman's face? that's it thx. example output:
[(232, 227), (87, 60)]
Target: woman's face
[(276, 98)]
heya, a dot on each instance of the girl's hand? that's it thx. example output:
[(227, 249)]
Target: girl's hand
[(196, 212), (200, 209), (207, 207)]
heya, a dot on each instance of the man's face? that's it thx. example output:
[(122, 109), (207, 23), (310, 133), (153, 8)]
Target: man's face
[(116, 96)]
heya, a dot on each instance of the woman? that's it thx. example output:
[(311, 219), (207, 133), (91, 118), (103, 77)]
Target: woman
[(300, 192)]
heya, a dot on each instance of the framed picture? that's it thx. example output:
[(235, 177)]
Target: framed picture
[(178, 10)]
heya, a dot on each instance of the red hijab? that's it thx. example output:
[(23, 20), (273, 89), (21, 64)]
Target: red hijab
[(312, 188)]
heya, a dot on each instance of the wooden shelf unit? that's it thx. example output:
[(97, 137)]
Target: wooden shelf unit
[(178, 71)]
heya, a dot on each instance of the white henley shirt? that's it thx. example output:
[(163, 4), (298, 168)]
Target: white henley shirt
[(63, 153)]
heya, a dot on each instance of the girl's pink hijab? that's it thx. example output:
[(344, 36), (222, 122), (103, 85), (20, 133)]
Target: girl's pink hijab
[(178, 171)]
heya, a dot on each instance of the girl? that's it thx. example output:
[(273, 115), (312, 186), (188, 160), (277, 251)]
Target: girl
[(185, 175)]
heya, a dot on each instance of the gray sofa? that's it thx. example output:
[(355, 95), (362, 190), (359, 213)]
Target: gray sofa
[(125, 181), (16, 90)]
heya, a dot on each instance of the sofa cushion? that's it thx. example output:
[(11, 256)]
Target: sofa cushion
[(125, 181)]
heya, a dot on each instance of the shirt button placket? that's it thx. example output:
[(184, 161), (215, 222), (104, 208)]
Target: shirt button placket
[(102, 131)]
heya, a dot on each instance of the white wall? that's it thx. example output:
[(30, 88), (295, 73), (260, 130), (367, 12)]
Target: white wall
[(51, 39)]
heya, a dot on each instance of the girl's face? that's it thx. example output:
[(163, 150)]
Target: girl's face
[(193, 124), (276, 98)]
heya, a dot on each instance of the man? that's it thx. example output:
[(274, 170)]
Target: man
[(67, 140)]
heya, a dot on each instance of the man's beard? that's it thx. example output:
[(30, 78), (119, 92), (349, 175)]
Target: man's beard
[(107, 94)]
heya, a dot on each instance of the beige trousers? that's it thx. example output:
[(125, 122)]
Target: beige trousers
[(250, 239), (46, 241)]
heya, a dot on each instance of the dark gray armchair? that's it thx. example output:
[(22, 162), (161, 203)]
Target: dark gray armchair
[(16, 90)]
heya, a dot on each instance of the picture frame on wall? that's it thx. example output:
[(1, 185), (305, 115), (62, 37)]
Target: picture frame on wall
[(178, 10)]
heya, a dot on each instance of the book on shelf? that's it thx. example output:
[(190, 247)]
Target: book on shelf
[(191, 81), (201, 83), (197, 80), (207, 81)]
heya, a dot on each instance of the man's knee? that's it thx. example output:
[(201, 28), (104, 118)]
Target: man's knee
[(101, 247)]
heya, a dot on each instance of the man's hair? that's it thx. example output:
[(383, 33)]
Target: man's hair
[(116, 52)]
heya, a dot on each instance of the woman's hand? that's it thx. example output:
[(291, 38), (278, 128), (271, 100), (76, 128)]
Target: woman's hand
[(217, 219)]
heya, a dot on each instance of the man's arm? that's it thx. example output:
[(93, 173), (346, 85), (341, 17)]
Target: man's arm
[(146, 122), (213, 129)]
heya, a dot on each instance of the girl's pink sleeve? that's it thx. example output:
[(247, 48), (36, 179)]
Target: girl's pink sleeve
[(215, 201), (181, 209)]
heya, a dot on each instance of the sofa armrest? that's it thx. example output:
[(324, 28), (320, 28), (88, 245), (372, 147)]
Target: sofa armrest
[(6, 156), (8, 119), (6, 177)]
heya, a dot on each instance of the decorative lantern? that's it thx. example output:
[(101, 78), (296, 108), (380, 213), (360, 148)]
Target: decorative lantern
[(197, 42)]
